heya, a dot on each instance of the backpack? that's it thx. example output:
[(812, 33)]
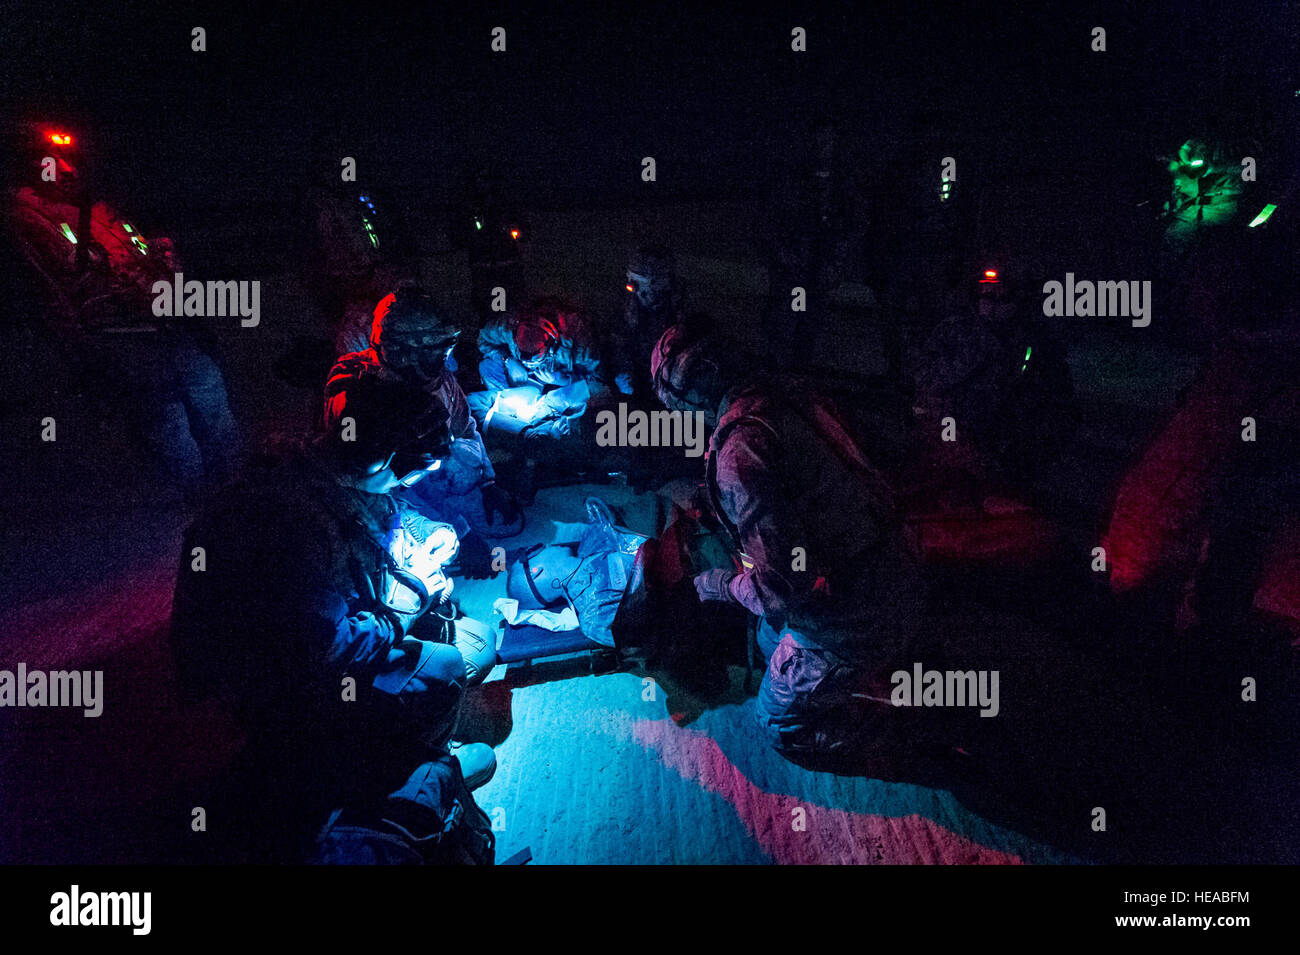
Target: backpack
[(431, 820)]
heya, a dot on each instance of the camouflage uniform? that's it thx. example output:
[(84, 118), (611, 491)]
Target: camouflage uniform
[(489, 232), (815, 242), (354, 263), (821, 556), (94, 290), (784, 474)]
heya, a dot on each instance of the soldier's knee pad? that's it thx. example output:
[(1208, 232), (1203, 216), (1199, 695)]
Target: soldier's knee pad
[(478, 647)]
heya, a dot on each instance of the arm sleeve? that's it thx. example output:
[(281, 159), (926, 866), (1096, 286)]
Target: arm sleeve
[(359, 640), (468, 455), (584, 355), (494, 340), (587, 367), (343, 633), (345, 368), (767, 520)]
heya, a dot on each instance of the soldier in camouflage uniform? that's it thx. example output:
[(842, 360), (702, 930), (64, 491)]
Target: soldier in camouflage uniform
[(653, 301), (296, 623), (786, 474), (550, 346), (1000, 374), (410, 340), (88, 276)]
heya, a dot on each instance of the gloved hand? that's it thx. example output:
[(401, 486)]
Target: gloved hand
[(475, 557), (497, 500), (623, 382), (555, 376), (556, 427), (560, 402), (516, 373), (713, 584)]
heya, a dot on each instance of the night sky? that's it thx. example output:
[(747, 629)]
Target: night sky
[(567, 113)]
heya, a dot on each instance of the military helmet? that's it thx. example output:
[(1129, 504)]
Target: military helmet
[(410, 311), (653, 260), (370, 418), (688, 370), (38, 142), (412, 334), (539, 329), (538, 576), (652, 275)]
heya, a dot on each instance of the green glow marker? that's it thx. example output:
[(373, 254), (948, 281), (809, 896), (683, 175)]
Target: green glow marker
[(1196, 162), (478, 225), (127, 227), (1028, 351), (68, 233), (1263, 215)]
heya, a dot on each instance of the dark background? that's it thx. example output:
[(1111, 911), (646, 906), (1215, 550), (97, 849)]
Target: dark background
[(581, 95)]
